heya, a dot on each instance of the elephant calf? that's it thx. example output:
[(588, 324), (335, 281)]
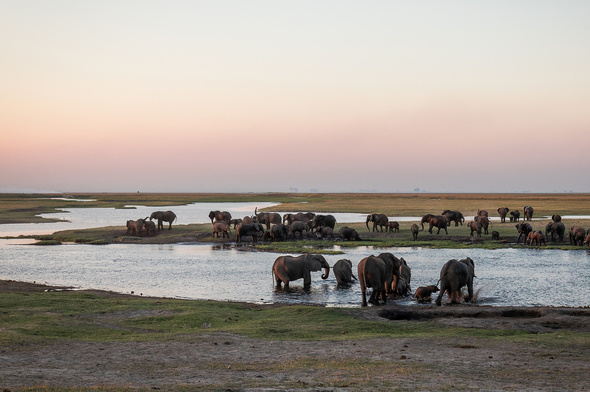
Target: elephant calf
[(422, 294), (343, 271), (415, 229), (221, 226)]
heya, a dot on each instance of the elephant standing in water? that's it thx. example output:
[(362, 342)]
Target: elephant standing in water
[(454, 275), (377, 273), (379, 220), (288, 268), (167, 216), (343, 271)]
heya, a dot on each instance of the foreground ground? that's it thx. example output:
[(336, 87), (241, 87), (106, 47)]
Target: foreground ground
[(478, 348)]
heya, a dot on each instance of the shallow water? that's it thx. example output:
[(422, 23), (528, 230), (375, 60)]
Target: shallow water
[(517, 277), (521, 277)]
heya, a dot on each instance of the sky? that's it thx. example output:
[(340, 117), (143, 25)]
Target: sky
[(307, 96)]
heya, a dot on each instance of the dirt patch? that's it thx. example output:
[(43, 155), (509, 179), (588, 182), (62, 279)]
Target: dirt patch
[(217, 362)]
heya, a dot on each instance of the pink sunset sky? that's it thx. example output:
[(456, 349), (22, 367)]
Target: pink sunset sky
[(329, 96)]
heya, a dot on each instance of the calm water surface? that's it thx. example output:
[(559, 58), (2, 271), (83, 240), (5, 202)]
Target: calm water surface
[(524, 277), (506, 277)]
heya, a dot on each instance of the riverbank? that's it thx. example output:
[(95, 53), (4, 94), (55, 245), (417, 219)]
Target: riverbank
[(128, 343), (56, 339)]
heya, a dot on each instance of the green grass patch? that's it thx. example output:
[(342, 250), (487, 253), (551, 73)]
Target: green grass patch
[(38, 317)]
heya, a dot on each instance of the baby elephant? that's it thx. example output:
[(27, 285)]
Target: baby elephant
[(221, 226), (415, 229), (423, 293), (343, 271)]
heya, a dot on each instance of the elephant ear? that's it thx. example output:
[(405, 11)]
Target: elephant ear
[(313, 262)]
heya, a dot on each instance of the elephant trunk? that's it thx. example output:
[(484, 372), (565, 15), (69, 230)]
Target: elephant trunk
[(327, 272), (368, 219)]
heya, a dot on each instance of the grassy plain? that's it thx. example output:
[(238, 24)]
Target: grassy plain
[(22, 208)]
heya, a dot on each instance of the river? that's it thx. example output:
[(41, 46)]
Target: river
[(505, 277)]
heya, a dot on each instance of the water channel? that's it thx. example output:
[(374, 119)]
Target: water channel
[(517, 277)]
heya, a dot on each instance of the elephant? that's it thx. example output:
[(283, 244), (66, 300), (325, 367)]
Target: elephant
[(528, 213), (253, 230), (287, 268), (555, 228), (305, 217), (393, 226), (454, 215), (268, 218), (415, 229), (279, 232), (298, 227), (422, 294), (400, 286), (372, 272), (348, 234), (343, 272), (435, 221), (587, 241), (577, 236), (392, 270), (485, 222), (454, 275), (325, 233), (495, 235), (503, 212), (150, 227), (556, 218), (379, 220), (482, 213), (536, 238), (220, 216), (320, 220), (135, 227), (223, 227), (235, 222), (167, 216), (474, 226), (515, 216), (523, 230)]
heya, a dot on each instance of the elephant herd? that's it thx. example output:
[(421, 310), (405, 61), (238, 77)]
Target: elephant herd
[(386, 274), (145, 227), (289, 226)]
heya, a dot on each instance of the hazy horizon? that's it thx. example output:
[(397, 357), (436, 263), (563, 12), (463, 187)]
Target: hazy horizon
[(306, 96)]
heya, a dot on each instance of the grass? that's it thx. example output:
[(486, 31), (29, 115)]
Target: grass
[(39, 317)]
